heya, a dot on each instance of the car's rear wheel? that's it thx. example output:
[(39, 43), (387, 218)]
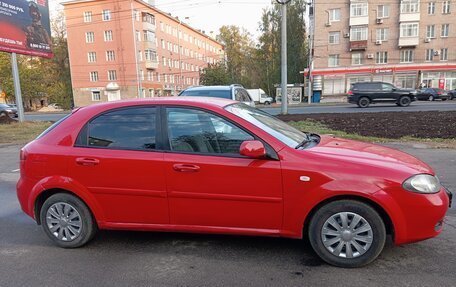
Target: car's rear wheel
[(363, 102), (405, 101), (67, 221), (347, 233)]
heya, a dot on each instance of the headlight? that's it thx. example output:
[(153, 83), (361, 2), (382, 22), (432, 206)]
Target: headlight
[(422, 183)]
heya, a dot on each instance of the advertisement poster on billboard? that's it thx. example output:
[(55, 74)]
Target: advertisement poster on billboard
[(25, 27), (294, 95)]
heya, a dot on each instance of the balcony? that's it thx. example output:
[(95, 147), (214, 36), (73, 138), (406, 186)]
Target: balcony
[(358, 45), (409, 17), (408, 41), (357, 21), (151, 64), (150, 45)]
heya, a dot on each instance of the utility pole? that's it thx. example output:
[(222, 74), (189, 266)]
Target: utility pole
[(17, 87), (310, 59), (284, 69)]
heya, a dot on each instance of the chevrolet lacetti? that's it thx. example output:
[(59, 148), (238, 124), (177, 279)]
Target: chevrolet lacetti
[(210, 165)]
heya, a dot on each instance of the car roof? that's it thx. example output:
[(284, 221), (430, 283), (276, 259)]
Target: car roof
[(208, 88), (185, 101)]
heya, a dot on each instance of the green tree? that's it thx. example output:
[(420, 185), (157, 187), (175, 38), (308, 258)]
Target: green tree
[(215, 74)]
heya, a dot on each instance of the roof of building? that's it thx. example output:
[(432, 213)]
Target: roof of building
[(168, 15)]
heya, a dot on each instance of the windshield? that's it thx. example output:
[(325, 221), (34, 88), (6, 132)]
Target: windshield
[(208, 93), (273, 126)]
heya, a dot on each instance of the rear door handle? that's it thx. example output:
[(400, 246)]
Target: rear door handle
[(183, 167), (84, 161)]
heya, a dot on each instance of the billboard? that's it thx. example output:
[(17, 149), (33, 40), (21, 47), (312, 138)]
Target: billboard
[(25, 27)]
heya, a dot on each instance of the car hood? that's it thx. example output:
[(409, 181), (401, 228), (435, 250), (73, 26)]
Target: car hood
[(370, 155)]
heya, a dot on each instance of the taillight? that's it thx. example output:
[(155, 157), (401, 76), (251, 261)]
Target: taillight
[(350, 92), (23, 155)]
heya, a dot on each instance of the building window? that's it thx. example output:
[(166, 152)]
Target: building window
[(358, 9), (431, 8), (96, 96), (149, 36), (163, 44), (90, 37), (430, 31), (137, 15), (106, 15), (334, 37), (110, 56), (409, 30), (445, 30), (141, 75), (410, 6), (150, 55), (140, 56), (112, 75), (358, 33), (429, 56), (333, 61), (92, 57), (357, 58), (108, 36), (138, 36), (94, 76), (444, 54), (164, 61), (406, 56), (381, 57), (446, 7), (87, 16), (383, 11), (150, 75), (382, 34), (334, 15)]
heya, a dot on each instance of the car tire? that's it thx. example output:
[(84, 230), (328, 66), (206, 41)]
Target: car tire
[(267, 103), (444, 100), (431, 98), (405, 101), (364, 102), (67, 221), (336, 244)]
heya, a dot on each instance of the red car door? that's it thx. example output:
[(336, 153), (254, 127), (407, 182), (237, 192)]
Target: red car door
[(209, 184), (115, 158)]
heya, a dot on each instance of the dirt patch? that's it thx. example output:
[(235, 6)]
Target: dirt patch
[(393, 125), (6, 120)]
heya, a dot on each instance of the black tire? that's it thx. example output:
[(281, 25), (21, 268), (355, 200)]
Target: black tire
[(370, 216), (267, 103), (444, 99), (405, 101), (364, 102), (88, 227)]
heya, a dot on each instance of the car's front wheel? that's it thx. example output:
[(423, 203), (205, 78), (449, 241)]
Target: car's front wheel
[(405, 101), (347, 233), (431, 98), (67, 221)]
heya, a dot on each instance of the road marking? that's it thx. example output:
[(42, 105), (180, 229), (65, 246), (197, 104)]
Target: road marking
[(16, 170)]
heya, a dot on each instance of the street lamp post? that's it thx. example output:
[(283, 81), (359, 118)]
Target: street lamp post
[(284, 84)]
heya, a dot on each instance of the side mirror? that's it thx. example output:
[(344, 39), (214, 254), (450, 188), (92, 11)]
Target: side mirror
[(253, 149), (393, 89)]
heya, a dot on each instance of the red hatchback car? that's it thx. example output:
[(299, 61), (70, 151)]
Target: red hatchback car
[(217, 166)]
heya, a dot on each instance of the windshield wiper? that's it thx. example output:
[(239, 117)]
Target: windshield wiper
[(309, 139)]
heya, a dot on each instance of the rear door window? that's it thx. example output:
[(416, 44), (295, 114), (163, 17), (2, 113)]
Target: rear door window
[(131, 129)]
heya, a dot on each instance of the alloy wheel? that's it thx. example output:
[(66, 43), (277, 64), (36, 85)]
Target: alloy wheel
[(64, 221), (347, 235)]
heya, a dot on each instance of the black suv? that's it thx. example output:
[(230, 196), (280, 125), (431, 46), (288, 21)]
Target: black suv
[(365, 93)]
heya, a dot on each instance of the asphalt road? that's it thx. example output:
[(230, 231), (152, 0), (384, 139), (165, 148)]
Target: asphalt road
[(28, 258), (313, 109)]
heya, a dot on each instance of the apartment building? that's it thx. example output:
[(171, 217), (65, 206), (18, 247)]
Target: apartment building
[(122, 49), (409, 43)]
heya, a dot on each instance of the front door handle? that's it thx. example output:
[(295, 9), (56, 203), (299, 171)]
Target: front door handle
[(183, 167), (85, 161)]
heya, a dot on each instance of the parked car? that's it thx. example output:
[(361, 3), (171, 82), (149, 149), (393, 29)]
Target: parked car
[(209, 165), (8, 111), (259, 96), (365, 93), (232, 92), (432, 94), (452, 94)]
